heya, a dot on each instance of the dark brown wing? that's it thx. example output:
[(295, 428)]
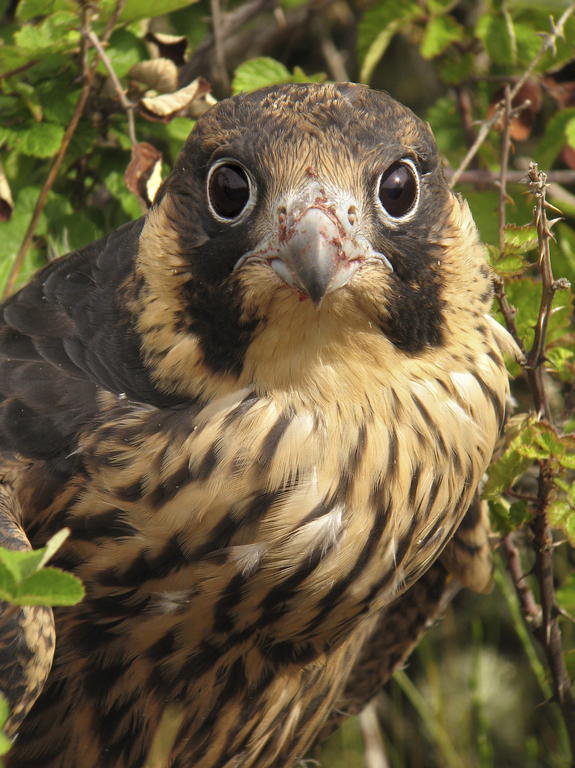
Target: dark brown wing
[(68, 334)]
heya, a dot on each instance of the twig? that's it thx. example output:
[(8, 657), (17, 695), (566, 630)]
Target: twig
[(513, 177), (219, 44), (537, 181), (464, 106), (23, 68), (230, 23), (126, 104), (487, 125), (529, 608), (332, 56), (548, 632), (57, 162), (373, 749), (504, 155)]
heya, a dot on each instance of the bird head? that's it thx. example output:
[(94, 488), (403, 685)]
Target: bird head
[(308, 213)]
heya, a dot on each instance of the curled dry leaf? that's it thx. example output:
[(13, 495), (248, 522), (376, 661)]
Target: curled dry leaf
[(165, 108), (521, 124), (158, 74), (6, 204), (169, 47), (143, 174), (201, 105)]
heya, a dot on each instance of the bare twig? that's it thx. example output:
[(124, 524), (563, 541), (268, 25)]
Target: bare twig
[(374, 751), (529, 608), (126, 103), (537, 181), (57, 162), (548, 43), (332, 56), (482, 178), (548, 632), (504, 155), (219, 44), (230, 23)]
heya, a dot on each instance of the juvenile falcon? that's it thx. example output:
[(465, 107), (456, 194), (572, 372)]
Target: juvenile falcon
[(263, 410)]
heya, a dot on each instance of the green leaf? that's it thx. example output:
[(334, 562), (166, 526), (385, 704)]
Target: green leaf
[(41, 140), (455, 70), (525, 295), (499, 515), (50, 586), (30, 97), (520, 239), (5, 744), (527, 42), (7, 583), (554, 138), (299, 76), (24, 564), (562, 515), (57, 32), (567, 460), (377, 27), (29, 9), (493, 31), (440, 32), (4, 711), (565, 594), (445, 122), (519, 513), (510, 265), (513, 462), (134, 10), (259, 73)]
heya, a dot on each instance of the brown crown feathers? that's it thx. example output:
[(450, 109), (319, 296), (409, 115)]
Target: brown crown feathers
[(263, 411)]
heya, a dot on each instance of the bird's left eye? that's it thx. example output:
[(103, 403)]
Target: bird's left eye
[(228, 190), (398, 189)]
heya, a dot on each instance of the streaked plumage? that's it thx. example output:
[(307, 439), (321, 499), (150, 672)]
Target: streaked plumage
[(261, 427)]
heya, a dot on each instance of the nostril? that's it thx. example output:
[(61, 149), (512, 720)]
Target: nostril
[(352, 214), (282, 214)]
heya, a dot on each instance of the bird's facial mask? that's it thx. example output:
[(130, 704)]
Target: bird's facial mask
[(315, 246)]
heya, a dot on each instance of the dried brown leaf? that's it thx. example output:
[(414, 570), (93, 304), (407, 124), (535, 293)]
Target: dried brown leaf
[(158, 74), (169, 46), (142, 175), (521, 124), (165, 108), (6, 204)]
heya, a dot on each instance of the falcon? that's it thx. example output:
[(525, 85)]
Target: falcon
[(263, 411)]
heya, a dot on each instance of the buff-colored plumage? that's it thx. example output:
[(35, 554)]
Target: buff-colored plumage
[(251, 476)]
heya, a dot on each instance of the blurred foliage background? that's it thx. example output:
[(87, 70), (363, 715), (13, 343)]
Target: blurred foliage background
[(477, 691)]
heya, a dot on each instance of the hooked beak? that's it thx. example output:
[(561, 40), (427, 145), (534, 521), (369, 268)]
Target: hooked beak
[(315, 254), (315, 250)]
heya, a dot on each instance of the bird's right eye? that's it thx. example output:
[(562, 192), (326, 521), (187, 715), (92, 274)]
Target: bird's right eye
[(228, 190)]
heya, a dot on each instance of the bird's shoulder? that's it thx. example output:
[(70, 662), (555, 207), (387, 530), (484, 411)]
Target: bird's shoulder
[(66, 337)]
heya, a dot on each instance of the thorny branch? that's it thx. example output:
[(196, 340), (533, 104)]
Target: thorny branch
[(57, 162), (544, 624), (547, 44)]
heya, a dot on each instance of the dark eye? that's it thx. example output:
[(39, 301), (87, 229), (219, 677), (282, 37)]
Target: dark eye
[(398, 189), (229, 190)]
